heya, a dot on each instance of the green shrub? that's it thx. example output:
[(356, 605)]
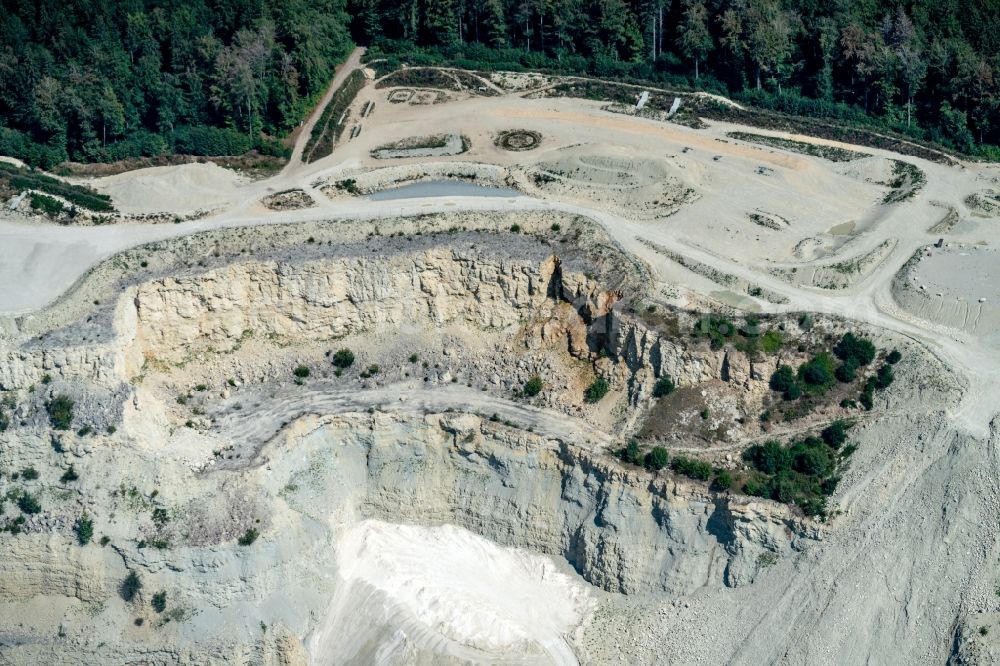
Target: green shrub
[(818, 374), (783, 381), (159, 601), (657, 458), (829, 485), (894, 357), (29, 473), (632, 453), (783, 487), (812, 506), (802, 474), (769, 457), (343, 358), (4, 420), (716, 329), (28, 503), (414, 358), (691, 468), (69, 475), (835, 434), (884, 377), (301, 371), (20, 178), (867, 397), (533, 386), (46, 205), (248, 537), (847, 371), (756, 486), (209, 141), (130, 586), (723, 480), (60, 409), (84, 530), (664, 386), (861, 350), (813, 460), (348, 185), (515, 228), (597, 390)]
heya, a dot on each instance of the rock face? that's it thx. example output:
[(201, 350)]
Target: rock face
[(320, 300), (623, 531)]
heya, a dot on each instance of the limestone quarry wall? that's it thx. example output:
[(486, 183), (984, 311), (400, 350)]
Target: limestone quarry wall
[(329, 299), (623, 530)]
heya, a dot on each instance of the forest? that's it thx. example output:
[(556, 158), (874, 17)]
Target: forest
[(927, 70), (92, 81)]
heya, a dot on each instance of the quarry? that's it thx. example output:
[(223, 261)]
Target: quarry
[(590, 385)]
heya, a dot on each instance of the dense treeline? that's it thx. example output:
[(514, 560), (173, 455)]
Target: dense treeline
[(927, 69), (93, 80), (97, 81)]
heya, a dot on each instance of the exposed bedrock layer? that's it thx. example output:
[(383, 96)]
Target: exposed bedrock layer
[(624, 531)]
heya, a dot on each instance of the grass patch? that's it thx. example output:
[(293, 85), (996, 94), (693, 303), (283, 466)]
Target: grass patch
[(771, 342)]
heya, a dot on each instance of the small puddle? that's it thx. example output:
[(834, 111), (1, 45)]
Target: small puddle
[(442, 188), (738, 301), (844, 229)]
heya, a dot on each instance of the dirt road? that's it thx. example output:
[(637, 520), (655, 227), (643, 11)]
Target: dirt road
[(40, 261), (353, 62)]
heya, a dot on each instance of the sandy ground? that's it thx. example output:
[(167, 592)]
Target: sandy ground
[(184, 188), (447, 587)]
